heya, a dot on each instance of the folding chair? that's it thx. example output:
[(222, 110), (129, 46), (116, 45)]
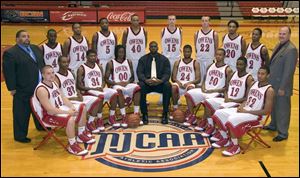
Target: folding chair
[(254, 134), (37, 111)]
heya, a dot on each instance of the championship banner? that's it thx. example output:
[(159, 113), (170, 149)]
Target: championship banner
[(73, 16), (120, 16), (8, 15)]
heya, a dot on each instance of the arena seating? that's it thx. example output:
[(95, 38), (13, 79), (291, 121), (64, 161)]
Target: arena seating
[(40, 3), (152, 8), (246, 6)]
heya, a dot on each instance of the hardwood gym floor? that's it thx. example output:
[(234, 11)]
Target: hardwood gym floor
[(17, 159)]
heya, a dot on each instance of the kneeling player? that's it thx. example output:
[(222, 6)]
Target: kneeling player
[(213, 85), (67, 84), (236, 93), (119, 75), (185, 76), (235, 122), (56, 110)]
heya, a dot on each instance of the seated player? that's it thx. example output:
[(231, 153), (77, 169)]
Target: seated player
[(57, 110), (185, 75), (90, 80), (235, 122), (235, 94), (119, 75), (67, 84), (214, 84)]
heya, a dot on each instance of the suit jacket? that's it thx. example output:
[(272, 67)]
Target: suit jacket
[(282, 68), (163, 69), (20, 71)]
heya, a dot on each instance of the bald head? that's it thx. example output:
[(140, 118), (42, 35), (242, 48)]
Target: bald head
[(284, 34), (153, 47)]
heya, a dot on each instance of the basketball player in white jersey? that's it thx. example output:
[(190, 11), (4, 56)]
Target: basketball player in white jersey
[(119, 76), (234, 45), (56, 110), (104, 42), (135, 41), (75, 47), (185, 75), (171, 41), (206, 43), (235, 122), (90, 80), (51, 50), (256, 54), (67, 84), (236, 93), (213, 85)]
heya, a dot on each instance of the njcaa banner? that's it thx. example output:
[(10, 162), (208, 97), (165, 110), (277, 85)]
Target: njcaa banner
[(150, 148)]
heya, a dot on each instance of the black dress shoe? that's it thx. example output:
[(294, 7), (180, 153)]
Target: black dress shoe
[(145, 119), (268, 128), (24, 140), (278, 138), (165, 119)]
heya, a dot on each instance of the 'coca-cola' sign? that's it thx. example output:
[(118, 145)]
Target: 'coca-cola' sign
[(73, 16), (118, 16)]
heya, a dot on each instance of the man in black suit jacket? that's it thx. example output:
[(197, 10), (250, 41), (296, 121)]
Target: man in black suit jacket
[(21, 69), (154, 80)]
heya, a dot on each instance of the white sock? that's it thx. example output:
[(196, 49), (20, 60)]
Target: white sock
[(72, 140), (112, 112), (91, 119), (80, 130), (123, 112), (223, 133), (99, 115), (175, 106), (136, 109), (210, 121), (234, 141)]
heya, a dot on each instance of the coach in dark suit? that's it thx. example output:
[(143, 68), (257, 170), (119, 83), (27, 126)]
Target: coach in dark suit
[(21, 69), (282, 66), (154, 72)]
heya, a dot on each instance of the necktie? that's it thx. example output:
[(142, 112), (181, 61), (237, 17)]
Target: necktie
[(33, 57), (30, 53), (153, 68)]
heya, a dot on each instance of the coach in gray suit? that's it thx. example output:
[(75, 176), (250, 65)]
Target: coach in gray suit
[(282, 67)]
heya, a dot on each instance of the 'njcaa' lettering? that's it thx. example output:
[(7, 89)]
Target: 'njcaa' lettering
[(125, 143)]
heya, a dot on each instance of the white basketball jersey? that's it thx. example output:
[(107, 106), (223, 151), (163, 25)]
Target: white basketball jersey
[(256, 97), (254, 59), (135, 44), (215, 77), (233, 49), (237, 86), (186, 72), (77, 53), (205, 45), (92, 76), (53, 93), (121, 71), (171, 43), (67, 84), (51, 55), (106, 46)]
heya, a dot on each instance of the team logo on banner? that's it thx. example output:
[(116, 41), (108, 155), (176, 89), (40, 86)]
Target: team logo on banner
[(150, 148)]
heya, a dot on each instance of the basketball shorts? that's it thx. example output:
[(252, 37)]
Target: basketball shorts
[(237, 123)]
